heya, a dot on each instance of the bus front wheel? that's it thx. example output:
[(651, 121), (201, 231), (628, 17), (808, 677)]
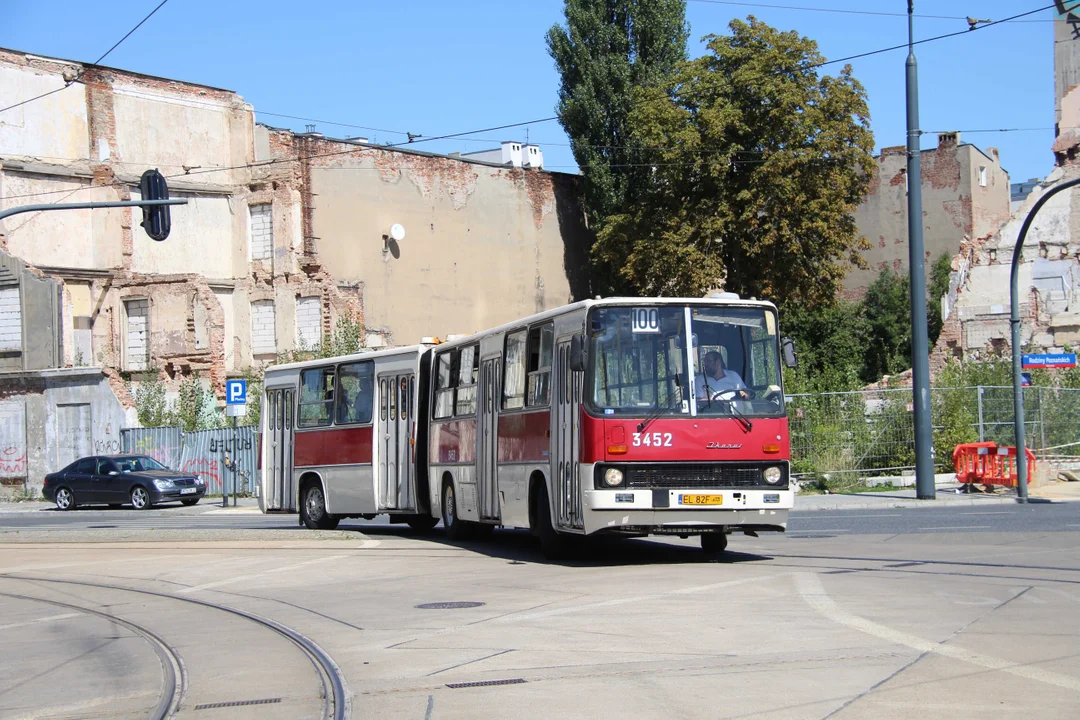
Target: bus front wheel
[(313, 509), (714, 543), (554, 544)]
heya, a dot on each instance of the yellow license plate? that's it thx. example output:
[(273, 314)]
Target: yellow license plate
[(701, 499)]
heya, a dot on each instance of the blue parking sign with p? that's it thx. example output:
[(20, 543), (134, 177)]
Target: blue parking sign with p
[(236, 392)]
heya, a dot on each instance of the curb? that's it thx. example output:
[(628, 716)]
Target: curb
[(906, 504)]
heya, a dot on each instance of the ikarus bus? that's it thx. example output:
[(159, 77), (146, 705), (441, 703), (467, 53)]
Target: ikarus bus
[(626, 416)]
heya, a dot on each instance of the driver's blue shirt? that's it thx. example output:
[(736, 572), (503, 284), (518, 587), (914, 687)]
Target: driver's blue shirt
[(730, 381)]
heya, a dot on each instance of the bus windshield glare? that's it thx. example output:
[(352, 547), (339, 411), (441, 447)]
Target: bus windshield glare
[(638, 362)]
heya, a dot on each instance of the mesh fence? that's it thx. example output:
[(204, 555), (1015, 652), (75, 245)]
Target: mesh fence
[(871, 432)]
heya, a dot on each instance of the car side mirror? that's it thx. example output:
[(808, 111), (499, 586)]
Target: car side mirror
[(787, 347), (578, 353), (113, 472)]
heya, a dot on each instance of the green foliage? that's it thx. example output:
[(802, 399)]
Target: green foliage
[(347, 337), (830, 343), (607, 50), (937, 289), (756, 171), (887, 308), (195, 407)]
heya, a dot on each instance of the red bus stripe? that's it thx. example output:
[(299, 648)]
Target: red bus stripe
[(525, 437), (335, 446)]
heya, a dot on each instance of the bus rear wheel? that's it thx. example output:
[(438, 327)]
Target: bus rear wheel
[(455, 529), (313, 509), (422, 523)]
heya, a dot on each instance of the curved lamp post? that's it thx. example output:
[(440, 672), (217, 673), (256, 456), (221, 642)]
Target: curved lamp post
[(1018, 388)]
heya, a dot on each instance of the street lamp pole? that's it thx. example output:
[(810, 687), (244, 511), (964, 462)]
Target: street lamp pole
[(920, 352)]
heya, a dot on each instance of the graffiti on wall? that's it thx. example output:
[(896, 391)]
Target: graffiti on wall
[(12, 441), (220, 457)]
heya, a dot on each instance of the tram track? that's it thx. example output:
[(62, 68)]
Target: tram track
[(174, 676), (336, 699)]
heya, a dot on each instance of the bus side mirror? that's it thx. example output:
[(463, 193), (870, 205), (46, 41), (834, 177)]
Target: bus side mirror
[(578, 355), (787, 346)]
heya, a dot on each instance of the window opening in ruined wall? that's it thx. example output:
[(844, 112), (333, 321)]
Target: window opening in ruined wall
[(262, 232), (982, 177), (10, 320), (308, 323), (263, 337), (137, 335)]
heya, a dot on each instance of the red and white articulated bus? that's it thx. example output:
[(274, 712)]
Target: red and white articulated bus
[(620, 416)]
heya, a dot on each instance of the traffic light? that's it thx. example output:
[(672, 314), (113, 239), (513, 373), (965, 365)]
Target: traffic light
[(156, 219)]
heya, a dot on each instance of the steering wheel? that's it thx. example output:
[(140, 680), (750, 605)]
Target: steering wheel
[(725, 395)]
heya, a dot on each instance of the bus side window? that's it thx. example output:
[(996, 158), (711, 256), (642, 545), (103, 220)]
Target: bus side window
[(514, 371), (287, 395), (392, 394), (541, 342), (444, 384), (316, 397), (383, 400), (469, 368), (355, 393)]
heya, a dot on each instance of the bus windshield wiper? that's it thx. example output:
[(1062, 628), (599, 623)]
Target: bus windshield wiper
[(737, 414), (661, 409)]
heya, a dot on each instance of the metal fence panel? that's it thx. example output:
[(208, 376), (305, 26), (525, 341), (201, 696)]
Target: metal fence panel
[(161, 443), (203, 453), (871, 432)]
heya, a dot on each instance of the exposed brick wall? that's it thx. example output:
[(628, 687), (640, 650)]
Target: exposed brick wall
[(309, 322), (263, 331), (262, 231)]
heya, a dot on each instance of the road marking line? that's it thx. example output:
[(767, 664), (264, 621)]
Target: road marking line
[(998, 512), (841, 517), (813, 592), (252, 576), (625, 600), (819, 530), (50, 618), (961, 527)]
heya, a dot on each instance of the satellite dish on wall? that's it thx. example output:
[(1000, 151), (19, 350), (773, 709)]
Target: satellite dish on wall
[(397, 232)]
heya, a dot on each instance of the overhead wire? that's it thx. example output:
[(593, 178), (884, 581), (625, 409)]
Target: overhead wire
[(78, 77), (844, 11), (419, 138)]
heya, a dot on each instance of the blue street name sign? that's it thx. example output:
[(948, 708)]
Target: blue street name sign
[(236, 392), (1049, 360)]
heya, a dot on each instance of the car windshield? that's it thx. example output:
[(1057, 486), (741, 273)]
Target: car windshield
[(138, 464), (639, 364)]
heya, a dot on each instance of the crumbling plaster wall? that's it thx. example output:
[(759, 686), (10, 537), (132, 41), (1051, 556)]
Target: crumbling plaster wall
[(200, 282), (464, 221), (955, 206)]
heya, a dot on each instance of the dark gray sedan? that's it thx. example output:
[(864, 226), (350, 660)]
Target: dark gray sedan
[(116, 480)]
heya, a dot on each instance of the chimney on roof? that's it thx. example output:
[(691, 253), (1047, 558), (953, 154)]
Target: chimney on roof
[(948, 140), (511, 153), (532, 156)]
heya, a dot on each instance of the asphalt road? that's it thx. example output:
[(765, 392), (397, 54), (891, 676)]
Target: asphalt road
[(1056, 517), (955, 613)]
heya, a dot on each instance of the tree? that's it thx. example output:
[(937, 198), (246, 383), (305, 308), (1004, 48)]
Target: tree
[(607, 49), (831, 342), (756, 168), (887, 308), (938, 288)]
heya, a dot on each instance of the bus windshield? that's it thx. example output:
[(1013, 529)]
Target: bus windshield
[(638, 362)]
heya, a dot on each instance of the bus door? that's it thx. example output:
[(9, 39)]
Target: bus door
[(487, 440), (564, 455), (279, 486), (397, 407)]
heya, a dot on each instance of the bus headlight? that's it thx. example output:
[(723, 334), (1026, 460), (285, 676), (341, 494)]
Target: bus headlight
[(613, 477), (772, 475)]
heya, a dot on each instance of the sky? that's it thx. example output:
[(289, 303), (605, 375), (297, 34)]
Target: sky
[(435, 67)]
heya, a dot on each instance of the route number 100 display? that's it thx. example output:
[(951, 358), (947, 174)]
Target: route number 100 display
[(645, 320)]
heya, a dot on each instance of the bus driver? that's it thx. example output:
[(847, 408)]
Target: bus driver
[(716, 379)]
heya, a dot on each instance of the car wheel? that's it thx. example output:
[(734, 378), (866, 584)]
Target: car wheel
[(140, 498), (456, 529), (189, 502), (714, 544), (313, 509), (65, 500), (554, 544), (422, 523)]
